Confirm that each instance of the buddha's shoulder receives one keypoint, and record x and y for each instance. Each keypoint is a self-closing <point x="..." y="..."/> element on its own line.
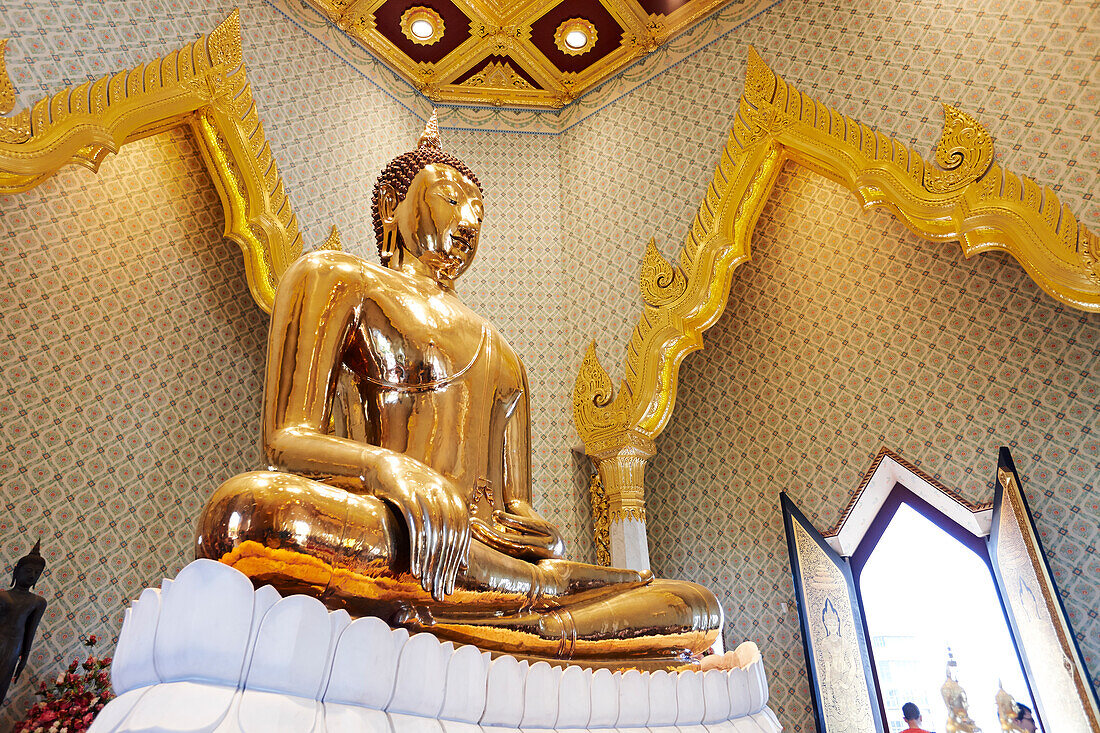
<point x="343" y="266"/>
<point x="501" y="346"/>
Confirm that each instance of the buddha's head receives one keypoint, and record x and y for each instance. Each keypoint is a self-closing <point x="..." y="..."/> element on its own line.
<point x="427" y="205"/>
<point x="28" y="569"/>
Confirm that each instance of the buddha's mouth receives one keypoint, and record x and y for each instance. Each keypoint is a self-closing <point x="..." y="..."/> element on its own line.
<point x="462" y="244"/>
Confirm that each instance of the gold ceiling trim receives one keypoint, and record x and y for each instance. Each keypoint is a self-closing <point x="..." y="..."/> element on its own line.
<point x="504" y="28"/>
<point x="965" y="196"/>
<point x="498" y="76"/>
<point x="202" y="86"/>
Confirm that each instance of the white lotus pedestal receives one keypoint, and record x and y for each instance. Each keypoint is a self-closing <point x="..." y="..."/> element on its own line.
<point x="206" y="652"/>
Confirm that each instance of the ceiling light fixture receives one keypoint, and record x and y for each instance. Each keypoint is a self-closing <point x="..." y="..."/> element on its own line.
<point x="422" y="28"/>
<point x="576" y="39"/>
<point x="575" y="36"/>
<point x="421" y="25"/>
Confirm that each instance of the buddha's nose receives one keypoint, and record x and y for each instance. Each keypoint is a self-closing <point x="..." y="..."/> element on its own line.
<point x="469" y="217"/>
<point x="467" y="232"/>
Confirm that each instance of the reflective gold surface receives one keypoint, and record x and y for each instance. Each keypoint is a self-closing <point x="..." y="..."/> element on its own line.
<point x="202" y="86"/>
<point x="1006" y="710"/>
<point x="954" y="699"/>
<point x="396" y="426"/>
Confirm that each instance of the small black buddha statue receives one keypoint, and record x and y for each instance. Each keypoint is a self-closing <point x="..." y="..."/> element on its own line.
<point x="20" y="612"/>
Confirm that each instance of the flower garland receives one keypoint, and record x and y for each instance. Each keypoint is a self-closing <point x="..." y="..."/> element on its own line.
<point x="70" y="703"/>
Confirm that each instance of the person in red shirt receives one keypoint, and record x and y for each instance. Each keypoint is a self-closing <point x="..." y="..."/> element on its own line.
<point x="911" y="714"/>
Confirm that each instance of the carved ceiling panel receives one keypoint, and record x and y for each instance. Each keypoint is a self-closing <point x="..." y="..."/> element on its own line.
<point x="526" y="53"/>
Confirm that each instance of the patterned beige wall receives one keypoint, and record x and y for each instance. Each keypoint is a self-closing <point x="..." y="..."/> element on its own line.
<point x="839" y="306"/>
<point x="132" y="365"/>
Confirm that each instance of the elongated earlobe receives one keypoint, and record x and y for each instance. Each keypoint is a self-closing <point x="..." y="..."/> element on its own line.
<point x="387" y="205"/>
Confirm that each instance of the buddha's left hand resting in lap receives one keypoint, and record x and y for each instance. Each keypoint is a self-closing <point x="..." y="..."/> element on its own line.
<point x="397" y="432"/>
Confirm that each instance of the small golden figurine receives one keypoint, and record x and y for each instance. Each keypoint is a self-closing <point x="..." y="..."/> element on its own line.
<point x="954" y="697"/>
<point x="1006" y="709"/>
<point x="396" y="426"/>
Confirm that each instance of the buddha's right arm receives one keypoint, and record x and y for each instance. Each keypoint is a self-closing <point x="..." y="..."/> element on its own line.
<point x="317" y="307"/>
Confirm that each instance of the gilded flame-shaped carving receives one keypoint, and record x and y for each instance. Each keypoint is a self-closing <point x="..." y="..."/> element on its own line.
<point x="332" y="241"/>
<point x="602" y="411"/>
<point x="202" y="86"/>
<point x="661" y="283"/>
<point x="964" y="152"/>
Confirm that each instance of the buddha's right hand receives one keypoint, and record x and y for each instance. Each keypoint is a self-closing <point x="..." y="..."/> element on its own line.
<point x="436" y="517"/>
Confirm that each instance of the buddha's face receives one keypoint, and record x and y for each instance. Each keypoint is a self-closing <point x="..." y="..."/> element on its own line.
<point x="26" y="575"/>
<point x="440" y="220"/>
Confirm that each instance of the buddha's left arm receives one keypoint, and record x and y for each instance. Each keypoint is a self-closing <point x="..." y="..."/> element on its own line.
<point x="517" y="449"/>
<point x="520" y="531"/>
<point x="28" y="637"/>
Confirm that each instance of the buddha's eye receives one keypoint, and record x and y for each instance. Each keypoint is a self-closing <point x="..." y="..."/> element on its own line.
<point x="451" y="201"/>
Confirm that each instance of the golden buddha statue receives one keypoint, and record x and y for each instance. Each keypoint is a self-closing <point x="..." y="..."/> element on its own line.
<point x="954" y="699"/>
<point x="397" y="432"/>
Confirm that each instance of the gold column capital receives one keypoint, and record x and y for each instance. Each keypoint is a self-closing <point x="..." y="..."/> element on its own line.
<point x="621" y="466"/>
<point x="629" y="443"/>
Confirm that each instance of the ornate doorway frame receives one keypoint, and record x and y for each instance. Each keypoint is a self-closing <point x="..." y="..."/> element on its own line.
<point x="827" y="566"/>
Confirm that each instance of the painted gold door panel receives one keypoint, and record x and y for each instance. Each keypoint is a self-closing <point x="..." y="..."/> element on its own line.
<point x="845" y="695"/>
<point x="1063" y="693"/>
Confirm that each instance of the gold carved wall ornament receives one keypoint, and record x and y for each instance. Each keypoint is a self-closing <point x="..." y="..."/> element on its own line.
<point x="332" y="241"/>
<point x="202" y="86"/>
<point x="601" y="520"/>
<point x="961" y="195"/>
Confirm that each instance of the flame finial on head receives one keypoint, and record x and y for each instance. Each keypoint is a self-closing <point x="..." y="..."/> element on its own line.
<point x="430" y="137"/>
<point x="33" y="558"/>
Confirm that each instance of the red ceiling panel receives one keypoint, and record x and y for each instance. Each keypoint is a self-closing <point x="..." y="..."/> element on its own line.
<point x="662" y="7"/>
<point x="609" y="34"/>
<point x="456" y="28"/>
